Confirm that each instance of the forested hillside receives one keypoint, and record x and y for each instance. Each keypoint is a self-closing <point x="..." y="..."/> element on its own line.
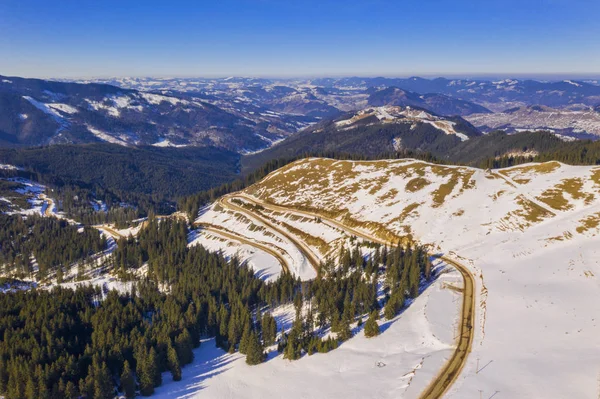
<point x="367" y="140"/>
<point x="91" y="343"/>
<point x="138" y="176"/>
<point x="51" y="244"/>
<point x="380" y="141"/>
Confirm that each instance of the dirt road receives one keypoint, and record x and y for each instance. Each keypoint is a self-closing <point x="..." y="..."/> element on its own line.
<point x="451" y="370"/>
<point x="236" y="237"/>
<point x="226" y="202"/>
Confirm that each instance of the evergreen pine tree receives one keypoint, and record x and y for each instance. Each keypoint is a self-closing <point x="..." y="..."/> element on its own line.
<point x="244" y="342"/>
<point x="3" y="370"/>
<point x="145" y="374"/>
<point x="344" y="330"/>
<point x="269" y="329"/>
<point x="154" y="368"/>
<point x="173" y="362"/>
<point x="71" y="391"/>
<point x="103" y="385"/>
<point x="292" y="347"/>
<point x="30" y="389"/>
<point x="371" y="326"/>
<point x="414" y="278"/>
<point x="391" y="307"/>
<point x="127" y="381"/>
<point x="183" y="346"/>
<point x="43" y="390"/>
<point x="256" y="352"/>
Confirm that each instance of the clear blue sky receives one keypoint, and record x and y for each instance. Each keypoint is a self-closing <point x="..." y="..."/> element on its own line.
<point x="82" y="38"/>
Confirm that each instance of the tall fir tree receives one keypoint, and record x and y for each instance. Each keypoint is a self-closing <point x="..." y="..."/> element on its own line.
<point x="244" y="342"/>
<point x="371" y="326"/>
<point x="103" y="384"/>
<point x="145" y="373"/>
<point x="173" y="363"/>
<point x="256" y="352"/>
<point x="127" y="381"/>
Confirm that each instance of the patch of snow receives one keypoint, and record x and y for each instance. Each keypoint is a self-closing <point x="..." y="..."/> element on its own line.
<point x="45" y="108"/>
<point x="156" y="99"/>
<point x="67" y="109"/>
<point x="105" y="136"/>
<point x="167" y="143"/>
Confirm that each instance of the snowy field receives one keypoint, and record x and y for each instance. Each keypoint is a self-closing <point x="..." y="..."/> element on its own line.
<point x="397" y="363"/>
<point x="529" y="234"/>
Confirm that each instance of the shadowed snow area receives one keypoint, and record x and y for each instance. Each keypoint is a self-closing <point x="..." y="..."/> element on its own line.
<point x="398" y="362"/>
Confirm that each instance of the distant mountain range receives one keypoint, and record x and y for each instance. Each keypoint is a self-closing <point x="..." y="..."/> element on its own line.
<point x="581" y="122"/>
<point x="247" y="115"/>
<point x="494" y="95"/>
<point x="352" y="92"/>
<point x="438" y="103"/>
<point x="35" y="112"/>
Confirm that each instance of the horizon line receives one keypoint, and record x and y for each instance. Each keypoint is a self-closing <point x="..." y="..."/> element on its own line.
<point x="430" y="76"/>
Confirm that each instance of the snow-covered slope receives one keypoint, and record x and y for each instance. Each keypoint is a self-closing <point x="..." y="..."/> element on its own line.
<point x="398" y="363"/>
<point x="581" y="122"/>
<point x="38" y="112"/>
<point x="398" y="114"/>
<point x="529" y="234"/>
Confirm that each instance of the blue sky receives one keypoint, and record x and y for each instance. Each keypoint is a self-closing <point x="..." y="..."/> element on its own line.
<point x="82" y="38"/>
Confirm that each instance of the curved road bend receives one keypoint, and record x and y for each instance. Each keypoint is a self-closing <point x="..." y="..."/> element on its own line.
<point x="236" y="237"/>
<point x="451" y="370"/>
<point x="307" y="252"/>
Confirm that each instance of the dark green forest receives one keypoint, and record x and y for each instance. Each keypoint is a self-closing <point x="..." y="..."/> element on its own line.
<point x="136" y="175"/>
<point x="53" y="244"/>
<point x="90" y="342"/>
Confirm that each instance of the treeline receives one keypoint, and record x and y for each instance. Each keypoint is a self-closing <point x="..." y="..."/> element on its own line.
<point x="581" y="152"/>
<point x="98" y="207"/>
<point x="192" y="203"/>
<point x="574" y="153"/>
<point x="53" y="244"/>
<point x="151" y="178"/>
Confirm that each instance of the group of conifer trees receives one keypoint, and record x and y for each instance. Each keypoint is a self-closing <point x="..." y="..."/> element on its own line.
<point x="52" y="243"/>
<point x="346" y="291"/>
<point x="91" y="343"/>
<point x="94" y="343"/>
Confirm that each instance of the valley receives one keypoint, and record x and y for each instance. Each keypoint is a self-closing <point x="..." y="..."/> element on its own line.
<point x="299" y="200"/>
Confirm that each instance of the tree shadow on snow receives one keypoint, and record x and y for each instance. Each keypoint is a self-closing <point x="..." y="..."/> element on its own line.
<point x="209" y="361"/>
<point x="262" y="274"/>
<point x="436" y="272"/>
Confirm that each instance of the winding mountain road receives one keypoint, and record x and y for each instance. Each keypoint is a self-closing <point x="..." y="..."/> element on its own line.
<point x="451" y="370"/>
<point x="239" y="238"/>
<point x="314" y="261"/>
